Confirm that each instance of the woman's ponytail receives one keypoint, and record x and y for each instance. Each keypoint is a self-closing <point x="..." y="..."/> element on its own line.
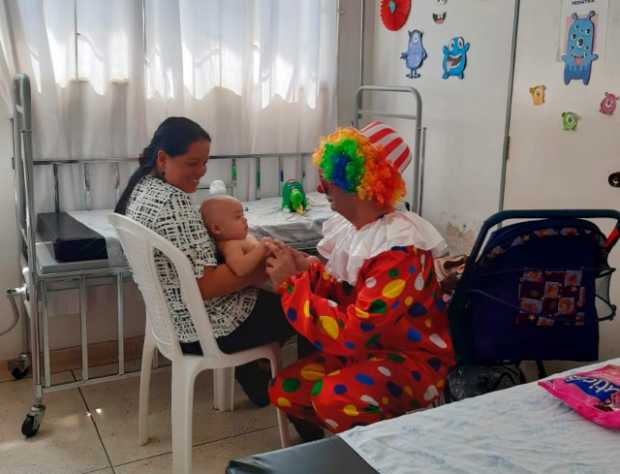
<point x="148" y="160"/>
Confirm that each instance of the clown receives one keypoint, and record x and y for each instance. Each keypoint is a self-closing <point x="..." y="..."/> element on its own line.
<point x="374" y="311"/>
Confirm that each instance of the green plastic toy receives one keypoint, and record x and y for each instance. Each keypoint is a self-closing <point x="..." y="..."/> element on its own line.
<point x="569" y="121"/>
<point x="294" y="197"/>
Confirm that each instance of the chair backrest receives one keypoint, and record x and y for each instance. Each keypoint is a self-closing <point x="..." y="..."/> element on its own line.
<point x="139" y="244"/>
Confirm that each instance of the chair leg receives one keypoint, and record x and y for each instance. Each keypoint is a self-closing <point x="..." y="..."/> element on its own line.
<point x="224" y="389"/>
<point x="181" y="412"/>
<point x="148" y="350"/>
<point x="285" y="440"/>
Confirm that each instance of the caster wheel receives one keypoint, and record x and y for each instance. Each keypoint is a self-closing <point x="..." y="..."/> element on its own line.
<point x="32" y="423"/>
<point x="19" y="374"/>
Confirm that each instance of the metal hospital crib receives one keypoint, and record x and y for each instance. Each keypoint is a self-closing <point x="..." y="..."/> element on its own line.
<point x="42" y="274"/>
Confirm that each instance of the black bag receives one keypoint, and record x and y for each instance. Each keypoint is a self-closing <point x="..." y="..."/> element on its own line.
<point x="473" y="380"/>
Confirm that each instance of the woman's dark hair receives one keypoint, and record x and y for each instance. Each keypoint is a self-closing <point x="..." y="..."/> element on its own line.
<point x="174" y="136"/>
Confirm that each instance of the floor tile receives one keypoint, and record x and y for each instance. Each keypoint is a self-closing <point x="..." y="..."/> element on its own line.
<point x="212" y="457"/>
<point x="114" y="407"/>
<point x="67" y="441"/>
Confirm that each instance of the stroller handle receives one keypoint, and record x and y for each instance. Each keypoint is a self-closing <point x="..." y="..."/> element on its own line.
<point x="544" y="214"/>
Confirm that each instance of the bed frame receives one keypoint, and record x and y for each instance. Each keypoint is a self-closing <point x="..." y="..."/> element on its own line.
<point x="37" y="285"/>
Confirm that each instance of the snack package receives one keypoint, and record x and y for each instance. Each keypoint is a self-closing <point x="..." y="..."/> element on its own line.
<point x="594" y="394"/>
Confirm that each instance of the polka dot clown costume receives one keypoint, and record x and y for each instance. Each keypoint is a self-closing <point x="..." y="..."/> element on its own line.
<point x="374" y="311"/>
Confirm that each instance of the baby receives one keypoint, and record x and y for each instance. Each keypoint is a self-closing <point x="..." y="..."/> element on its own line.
<point x="224" y="219"/>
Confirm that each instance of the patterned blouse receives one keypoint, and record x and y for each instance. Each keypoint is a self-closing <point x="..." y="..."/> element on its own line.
<point x="168" y="211"/>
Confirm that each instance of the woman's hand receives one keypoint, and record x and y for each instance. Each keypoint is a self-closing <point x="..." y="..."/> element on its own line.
<point x="259" y="276"/>
<point x="281" y="265"/>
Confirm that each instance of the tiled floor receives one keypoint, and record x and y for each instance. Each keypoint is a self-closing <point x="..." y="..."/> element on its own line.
<point x="95" y="429"/>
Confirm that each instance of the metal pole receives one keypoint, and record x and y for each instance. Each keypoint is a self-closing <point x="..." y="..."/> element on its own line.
<point x="257" y="164"/>
<point x="23" y="109"/>
<point x="83" y="328"/>
<point x="362" y="34"/>
<point x="86" y="185"/>
<point x="75" y="38"/>
<point x="121" y="323"/>
<point x="422" y="171"/>
<point x="47" y="370"/>
<point x="280" y="175"/>
<point x="56" y="188"/>
<point x="506" y="148"/>
<point x="418" y="128"/>
<point x="117" y="181"/>
<point x="339" y="12"/>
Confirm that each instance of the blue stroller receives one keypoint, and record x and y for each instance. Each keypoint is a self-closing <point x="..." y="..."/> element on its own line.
<point x="536" y="291"/>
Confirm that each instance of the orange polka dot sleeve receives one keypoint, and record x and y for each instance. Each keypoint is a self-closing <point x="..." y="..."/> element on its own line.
<point x="344" y="329"/>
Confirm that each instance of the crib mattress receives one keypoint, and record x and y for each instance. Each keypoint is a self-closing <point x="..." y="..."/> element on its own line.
<point x="265" y="219"/>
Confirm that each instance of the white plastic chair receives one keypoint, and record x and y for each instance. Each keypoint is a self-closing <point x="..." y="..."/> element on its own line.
<point x="139" y="243"/>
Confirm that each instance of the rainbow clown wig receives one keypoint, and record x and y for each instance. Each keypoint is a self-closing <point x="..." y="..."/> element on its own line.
<point x="350" y="160"/>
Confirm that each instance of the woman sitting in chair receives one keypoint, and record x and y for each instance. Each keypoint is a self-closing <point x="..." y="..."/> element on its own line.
<point x="158" y="196"/>
<point x="375" y="310"/>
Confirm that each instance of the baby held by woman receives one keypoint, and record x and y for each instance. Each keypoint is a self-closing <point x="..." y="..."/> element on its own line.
<point x="223" y="216"/>
<point x="243" y="253"/>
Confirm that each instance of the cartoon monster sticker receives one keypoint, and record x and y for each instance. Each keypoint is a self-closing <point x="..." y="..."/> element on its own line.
<point x="455" y="58"/>
<point x="415" y="54"/>
<point x="440" y="17"/>
<point x="579" y="49"/>
<point x="538" y="94"/>
<point x="569" y="121"/>
<point x="608" y="104"/>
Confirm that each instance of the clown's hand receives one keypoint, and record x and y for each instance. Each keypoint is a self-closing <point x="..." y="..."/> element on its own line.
<point x="303" y="260"/>
<point x="280" y="266"/>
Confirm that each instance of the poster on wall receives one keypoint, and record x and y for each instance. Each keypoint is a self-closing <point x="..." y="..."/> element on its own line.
<point x="582" y="9"/>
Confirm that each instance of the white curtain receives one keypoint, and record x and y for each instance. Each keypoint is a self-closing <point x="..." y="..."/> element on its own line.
<point x="7" y="61"/>
<point x="259" y="75"/>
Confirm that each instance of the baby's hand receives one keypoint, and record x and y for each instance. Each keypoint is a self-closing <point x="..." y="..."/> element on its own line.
<point x="273" y="245"/>
<point x="264" y="245"/>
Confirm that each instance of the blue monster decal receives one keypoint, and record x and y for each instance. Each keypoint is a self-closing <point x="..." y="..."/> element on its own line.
<point x="415" y="54"/>
<point x="579" y="56"/>
<point x="455" y="58"/>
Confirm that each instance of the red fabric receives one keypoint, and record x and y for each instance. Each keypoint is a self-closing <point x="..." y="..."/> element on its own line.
<point x="387" y="336"/>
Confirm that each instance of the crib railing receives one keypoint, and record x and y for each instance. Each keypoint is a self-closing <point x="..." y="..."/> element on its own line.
<point x="86" y="177"/>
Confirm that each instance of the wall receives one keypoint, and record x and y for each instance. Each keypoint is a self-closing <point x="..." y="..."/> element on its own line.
<point x="552" y="168"/>
<point x="548" y="168"/>
<point x="11" y="343"/>
<point x="465" y="118"/>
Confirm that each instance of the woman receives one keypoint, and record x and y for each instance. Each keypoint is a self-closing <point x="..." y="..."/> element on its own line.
<point x="158" y="196"/>
<point x="374" y="311"/>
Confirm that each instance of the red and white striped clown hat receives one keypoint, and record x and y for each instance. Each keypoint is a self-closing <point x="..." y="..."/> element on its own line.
<point x="396" y="148"/>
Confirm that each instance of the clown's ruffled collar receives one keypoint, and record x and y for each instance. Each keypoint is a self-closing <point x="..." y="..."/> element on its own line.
<point x="347" y="248"/>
